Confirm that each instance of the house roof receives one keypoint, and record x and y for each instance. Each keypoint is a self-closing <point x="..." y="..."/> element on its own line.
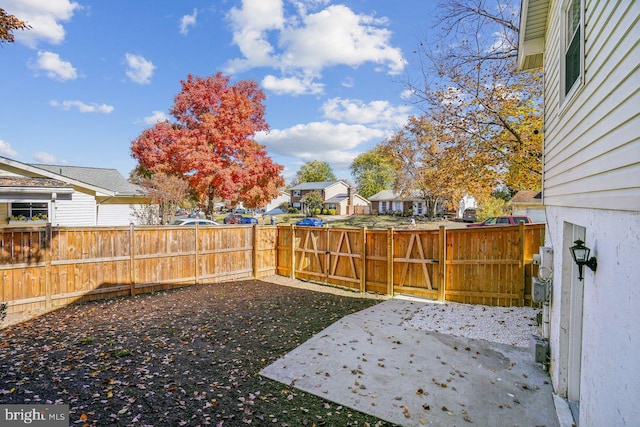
<point x="388" y="195"/>
<point x="527" y="197"/>
<point x="319" y="185"/>
<point x="20" y="181"/>
<point x="109" y="179"/>
<point x="30" y="185"/>
<point x="338" y="198"/>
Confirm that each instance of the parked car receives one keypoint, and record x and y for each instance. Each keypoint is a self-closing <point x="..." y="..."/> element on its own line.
<point x="502" y="220"/>
<point x="310" y="222"/>
<point x="469" y="215"/>
<point x="194" y="221"/>
<point x="232" y="218"/>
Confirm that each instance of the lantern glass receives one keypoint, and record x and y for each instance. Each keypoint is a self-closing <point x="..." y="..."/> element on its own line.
<point x="580" y="252"/>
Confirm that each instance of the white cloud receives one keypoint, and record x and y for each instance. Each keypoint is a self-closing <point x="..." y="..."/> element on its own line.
<point x="188" y="21"/>
<point x="44" y="16"/>
<point x="155" y="117"/>
<point x="6" y="150"/>
<point x="251" y="24"/>
<point x="43" y="157"/>
<point x="292" y="85"/>
<point x="407" y="94"/>
<point x="54" y="67"/>
<point x="380" y="114"/>
<point x="307" y="43"/>
<point x="140" y="70"/>
<point x="82" y="107"/>
<point x="337" y="36"/>
<point x="336" y="144"/>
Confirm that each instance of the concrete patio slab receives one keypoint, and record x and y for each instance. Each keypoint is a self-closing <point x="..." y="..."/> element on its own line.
<point x="370" y="362"/>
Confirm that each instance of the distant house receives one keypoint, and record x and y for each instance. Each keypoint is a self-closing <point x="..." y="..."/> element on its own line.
<point x="390" y="202"/>
<point x="590" y="51"/>
<point x="273" y="207"/>
<point x="66" y="195"/>
<point x="528" y="203"/>
<point x="336" y="195"/>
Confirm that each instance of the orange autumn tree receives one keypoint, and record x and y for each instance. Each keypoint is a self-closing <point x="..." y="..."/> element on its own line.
<point x="211" y="143"/>
<point x="426" y="160"/>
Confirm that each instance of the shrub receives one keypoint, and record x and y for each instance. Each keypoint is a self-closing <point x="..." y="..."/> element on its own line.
<point x="325" y="211"/>
<point x="317" y="211"/>
<point x="293" y="210"/>
<point x="332" y="211"/>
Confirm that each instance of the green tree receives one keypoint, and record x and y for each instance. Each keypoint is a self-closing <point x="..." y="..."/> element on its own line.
<point x="373" y="172"/>
<point x="314" y="171"/>
<point x="311" y="202"/>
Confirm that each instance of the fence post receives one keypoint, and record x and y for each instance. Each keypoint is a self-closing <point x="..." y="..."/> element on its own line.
<point x="521" y="263"/>
<point x="327" y="253"/>
<point x="292" y="231"/>
<point x="197" y="255"/>
<point x="255" y="251"/>
<point x="48" y="253"/>
<point x="442" y="262"/>
<point x="132" y="260"/>
<point x="363" y="261"/>
<point x="390" y="256"/>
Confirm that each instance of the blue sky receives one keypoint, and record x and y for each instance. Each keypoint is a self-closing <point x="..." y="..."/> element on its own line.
<point x="92" y="75"/>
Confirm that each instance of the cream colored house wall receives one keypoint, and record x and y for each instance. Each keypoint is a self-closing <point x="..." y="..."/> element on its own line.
<point x="591" y="190"/>
<point x="592" y="143"/>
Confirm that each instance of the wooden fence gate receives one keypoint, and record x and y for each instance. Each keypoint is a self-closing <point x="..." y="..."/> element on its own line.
<point x="489" y="265"/>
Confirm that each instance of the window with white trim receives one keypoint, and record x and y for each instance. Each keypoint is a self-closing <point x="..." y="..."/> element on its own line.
<point x="26" y="211"/>
<point x="573" y="45"/>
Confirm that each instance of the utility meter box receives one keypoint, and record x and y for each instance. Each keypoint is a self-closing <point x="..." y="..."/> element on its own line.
<point x="538" y="290"/>
<point x="540" y="348"/>
<point x="546" y="257"/>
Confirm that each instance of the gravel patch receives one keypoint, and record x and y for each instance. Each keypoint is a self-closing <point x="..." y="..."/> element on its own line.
<point x="506" y="325"/>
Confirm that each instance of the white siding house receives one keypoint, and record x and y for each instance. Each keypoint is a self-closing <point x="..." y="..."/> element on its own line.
<point x="66" y="195"/>
<point x="591" y="191"/>
<point x="336" y="195"/>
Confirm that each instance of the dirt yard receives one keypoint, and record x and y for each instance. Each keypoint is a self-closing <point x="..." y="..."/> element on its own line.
<point x="185" y="357"/>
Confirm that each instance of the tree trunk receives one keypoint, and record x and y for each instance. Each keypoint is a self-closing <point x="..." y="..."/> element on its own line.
<point x="208" y="213"/>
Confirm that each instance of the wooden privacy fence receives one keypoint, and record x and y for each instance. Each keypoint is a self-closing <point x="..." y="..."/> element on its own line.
<point x="486" y="265"/>
<point x="47" y="267"/>
<point x="44" y="267"/>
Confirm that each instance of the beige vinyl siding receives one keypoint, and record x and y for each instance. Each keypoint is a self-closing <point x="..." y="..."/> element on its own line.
<point x="593" y="159"/>
<point x="335" y="189"/>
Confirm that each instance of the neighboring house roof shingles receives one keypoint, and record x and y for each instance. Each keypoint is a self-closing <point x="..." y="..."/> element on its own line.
<point x="32" y="182"/>
<point x="388" y="195"/>
<point x="314" y="185"/>
<point x="110" y="179"/>
<point x="527" y="197"/>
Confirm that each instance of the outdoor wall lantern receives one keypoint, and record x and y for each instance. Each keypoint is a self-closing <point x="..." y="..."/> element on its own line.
<point x="580" y="254"/>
